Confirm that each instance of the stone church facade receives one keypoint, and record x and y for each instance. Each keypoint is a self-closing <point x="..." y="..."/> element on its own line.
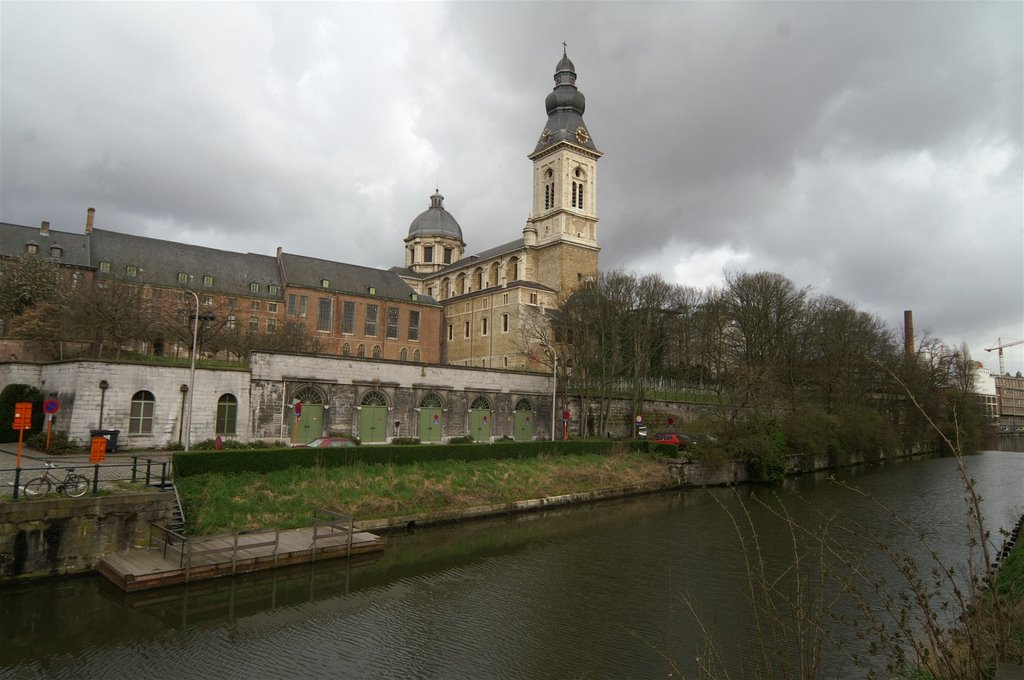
<point x="495" y="301"/>
<point x="483" y="310"/>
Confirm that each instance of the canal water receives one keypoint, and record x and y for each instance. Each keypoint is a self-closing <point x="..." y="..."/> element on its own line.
<point x="599" y="591"/>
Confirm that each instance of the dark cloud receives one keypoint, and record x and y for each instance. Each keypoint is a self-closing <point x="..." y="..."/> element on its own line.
<point x="870" y="150"/>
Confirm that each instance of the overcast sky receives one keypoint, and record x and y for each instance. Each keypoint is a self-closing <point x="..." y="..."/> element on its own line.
<point x="868" y="150"/>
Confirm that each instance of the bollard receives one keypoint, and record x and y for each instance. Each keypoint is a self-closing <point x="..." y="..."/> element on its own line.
<point x="95" y="479"/>
<point x="17" y="482"/>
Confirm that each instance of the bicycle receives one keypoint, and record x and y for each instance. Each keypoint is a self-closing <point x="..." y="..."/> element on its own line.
<point x="71" y="486"/>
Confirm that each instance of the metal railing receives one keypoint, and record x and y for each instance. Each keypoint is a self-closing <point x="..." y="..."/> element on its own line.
<point x="147" y="472"/>
<point x="188" y="548"/>
<point x="329" y="524"/>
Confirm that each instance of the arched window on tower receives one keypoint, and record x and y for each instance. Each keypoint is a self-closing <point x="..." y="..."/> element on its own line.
<point x="577" y="188"/>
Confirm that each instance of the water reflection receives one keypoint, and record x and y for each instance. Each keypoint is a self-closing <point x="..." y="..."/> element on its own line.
<point x="590" y="592"/>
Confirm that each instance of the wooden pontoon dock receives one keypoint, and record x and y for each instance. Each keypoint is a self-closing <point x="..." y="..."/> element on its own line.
<point x="178" y="559"/>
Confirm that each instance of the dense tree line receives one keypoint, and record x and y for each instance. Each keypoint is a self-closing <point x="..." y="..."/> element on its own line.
<point x="762" y="350"/>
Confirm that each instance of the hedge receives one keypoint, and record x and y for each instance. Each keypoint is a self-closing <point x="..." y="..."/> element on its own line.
<point x="268" y="460"/>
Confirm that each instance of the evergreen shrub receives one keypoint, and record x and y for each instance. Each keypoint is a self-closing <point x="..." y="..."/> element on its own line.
<point x="760" y="441"/>
<point x="811" y="432"/>
<point x="861" y="430"/>
<point x="11" y="395"/>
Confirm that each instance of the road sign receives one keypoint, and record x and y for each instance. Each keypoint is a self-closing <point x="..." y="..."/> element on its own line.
<point x="566" y="416"/>
<point x="22" y="415"/>
<point x="298" y="408"/>
<point x="639" y="419"/>
<point x="670" y="421"/>
<point x="51" y="406"/>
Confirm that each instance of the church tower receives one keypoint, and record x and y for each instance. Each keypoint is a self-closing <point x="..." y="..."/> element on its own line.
<point x="563" y="220"/>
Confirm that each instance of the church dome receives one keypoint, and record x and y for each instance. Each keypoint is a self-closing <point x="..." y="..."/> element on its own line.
<point x="435" y="221"/>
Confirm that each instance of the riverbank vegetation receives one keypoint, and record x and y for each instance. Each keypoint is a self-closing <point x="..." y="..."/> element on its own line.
<point x="216" y="502"/>
<point x="930" y="619"/>
<point x="762" y="353"/>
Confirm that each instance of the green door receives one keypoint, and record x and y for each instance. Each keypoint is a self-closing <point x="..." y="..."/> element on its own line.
<point x="373" y="424"/>
<point x="480" y="424"/>
<point x="431" y="422"/>
<point x="523" y="424"/>
<point x="311" y="423"/>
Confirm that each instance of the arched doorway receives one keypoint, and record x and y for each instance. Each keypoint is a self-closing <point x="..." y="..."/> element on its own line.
<point x="480" y="419"/>
<point x="373" y="418"/>
<point x="431" y="424"/>
<point x="306" y="422"/>
<point x="523" y="419"/>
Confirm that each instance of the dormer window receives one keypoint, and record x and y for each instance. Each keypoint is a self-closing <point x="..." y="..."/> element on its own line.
<point x="325" y="283"/>
<point x="131" y="271"/>
<point x="372" y="290"/>
<point x="56" y="252"/>
<point x="31" y="248"/>
<point x="208" y="281"/>
<point x="182" y="277"/>
<point x="272" y="289"/>
<point x="254" y="287"/>
<point x="104" y="266"/>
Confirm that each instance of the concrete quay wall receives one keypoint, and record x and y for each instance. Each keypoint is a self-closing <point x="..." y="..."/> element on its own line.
<point x="57" y="536"/>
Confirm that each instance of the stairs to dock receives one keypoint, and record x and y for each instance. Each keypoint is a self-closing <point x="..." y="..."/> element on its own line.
<point x="177" y="522"/>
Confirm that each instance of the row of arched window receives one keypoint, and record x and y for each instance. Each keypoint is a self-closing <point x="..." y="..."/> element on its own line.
<point x="478" y="279"/>
<point x="140" y="418"/>
<point x="432" y="400"/>
<point x="376" y="351"/>
<point x="577" y="189"/>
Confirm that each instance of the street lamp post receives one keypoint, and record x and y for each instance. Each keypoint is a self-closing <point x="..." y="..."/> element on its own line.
<point x="554" y="392"/>
<point x="192" y="370"/>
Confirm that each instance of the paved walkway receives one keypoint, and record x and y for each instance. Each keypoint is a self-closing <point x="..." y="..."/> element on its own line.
<point x="116" y="467"/>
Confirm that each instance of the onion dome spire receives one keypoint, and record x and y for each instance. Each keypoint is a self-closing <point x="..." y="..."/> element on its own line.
<point x="565" y="105"/>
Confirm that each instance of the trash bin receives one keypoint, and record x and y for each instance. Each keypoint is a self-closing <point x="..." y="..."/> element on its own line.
<point x="109" y="435"/>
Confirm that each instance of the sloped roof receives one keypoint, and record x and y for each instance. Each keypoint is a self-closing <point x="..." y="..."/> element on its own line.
<point x="74" y="247"/>
<point x="308" y="272"/>
<point x="160" y="262"/>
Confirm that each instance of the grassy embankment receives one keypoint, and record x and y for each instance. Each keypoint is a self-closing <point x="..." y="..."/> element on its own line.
<point x="216" y="503"/>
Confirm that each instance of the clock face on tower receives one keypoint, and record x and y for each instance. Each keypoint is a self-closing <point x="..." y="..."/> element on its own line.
<point x="581" y="135"/>
<point x="545" y="136"/>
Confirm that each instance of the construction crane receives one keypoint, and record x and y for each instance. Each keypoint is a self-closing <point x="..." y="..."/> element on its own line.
<point x="1000" y="345"/>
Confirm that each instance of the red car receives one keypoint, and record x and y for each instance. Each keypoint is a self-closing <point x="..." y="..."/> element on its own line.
<point x="329" y="443"/>
<point x="673" y="439"/>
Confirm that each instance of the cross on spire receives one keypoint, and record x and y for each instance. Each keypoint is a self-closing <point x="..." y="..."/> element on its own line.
<point x="564" y="48"/>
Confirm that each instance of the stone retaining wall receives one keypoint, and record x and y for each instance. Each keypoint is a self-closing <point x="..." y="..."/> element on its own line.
<point x="56" y="535"/>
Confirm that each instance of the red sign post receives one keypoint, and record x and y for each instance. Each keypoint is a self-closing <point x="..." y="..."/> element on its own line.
<point x="22" y="422"/>
<point x="50" y="407"/>
<point x="298" y="417"/>
<point x="98" y="450"/>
